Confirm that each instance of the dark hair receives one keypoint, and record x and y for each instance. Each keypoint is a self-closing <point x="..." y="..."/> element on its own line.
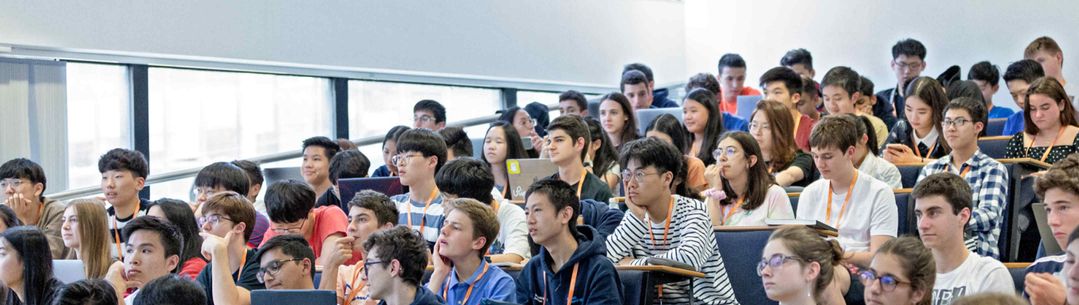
<point x="33" y="249"/>
<point x="758" y="179"/>
<point x="404" y="245"/>
<point x="467" y="178"/>
<point x="292" y="245"/>
<point x="866" y="87"/>
<point x="810" y="87"/>
<point x="652" y="152"/>
<point x="394" y="133"/>
<point x="639" y="67"/>
<point x="289" y="201"/>
<point x="350" y="164"/>
<point x="833" y="132"/>
<point x="917" y="261"/>
<point x="120" y="159"/>
<point x="574" y="126"/>
<point x="235" y="207"/>
<point x="171" y="239"/>
<point x="929" y="90"/>
<point x="984" y="71"/>
<point x="730" y="60"/>
<point x="171" y="290"/>
<point x="605" y="157"/>
<point x="330" y="146"/>
<point x="22" y="168"/>
<point x="457" y="141"/>
<point x="948" y="185"/>
<point x="1073" y="236"/>
<point x="669" y="125"/>
<point x="964" y="88"/>
<point x="87" y="292"/>
<point x="788" y="77"/>
<point x="797" y="56"/>
<point x="424" y="141"/>
<point x="515" y="149"/>
<point x="712" y="128"/>
<point x="975" y="108"/>
<point x="180" y="215"/>
<point x="8" y="216"/>
<point x="1064" y="174"/>
<point x="252" y="169"/>
<point x="225" y="175"/>
<point x="703" y="80"/>
<point x="843" y="77"/>
<point x="506" y="115"/>
<point x="1044" y="43"/>
<point x="540" y="113"/>
<point x="632" y="77"/>
<point x="434" y="107"/>
<point x="576" y="97"/>
<point x="783" y="146"/>
<point x="629" y="130"/>
<point x="908" y="47"/>
<point x="1051" y="88"/>
<point x="383" y="207"/>
<point x="1026" y="70"/>
<point x="865" y="126"/>
<point x="561" y="195"/>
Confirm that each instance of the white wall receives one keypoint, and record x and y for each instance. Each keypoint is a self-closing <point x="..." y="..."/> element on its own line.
<point x="558" y="40"/>
<point x="860" y="34"/>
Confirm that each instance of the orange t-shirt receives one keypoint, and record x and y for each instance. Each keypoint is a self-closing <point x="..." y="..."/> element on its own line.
<point x="731" y="105"/>
<point x="328" y="220"/>
<point x="345" y="277"/>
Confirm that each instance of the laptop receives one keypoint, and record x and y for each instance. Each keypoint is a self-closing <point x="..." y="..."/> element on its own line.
<point x="1042" y="219"/>
<point x="68" y="270"/>
<point x="308" y="297"/>
<point x="523" y="172"/>
<point x="387" y="185"/>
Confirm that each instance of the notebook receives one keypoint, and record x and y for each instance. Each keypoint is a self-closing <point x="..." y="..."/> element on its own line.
<point x="523" y="172"/>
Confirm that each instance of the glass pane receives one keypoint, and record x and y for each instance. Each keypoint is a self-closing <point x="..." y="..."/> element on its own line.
<point x="526" y="97"/>
<point x="99" y="118"/>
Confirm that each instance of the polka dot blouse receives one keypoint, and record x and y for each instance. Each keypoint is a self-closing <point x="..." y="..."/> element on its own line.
<point x="1016" y="149"/>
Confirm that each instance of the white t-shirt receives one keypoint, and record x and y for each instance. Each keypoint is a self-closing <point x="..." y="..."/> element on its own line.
<point x="512" y="230"/>
<point x="977" y="274"/>
<point x="870" y="212"/>
<point x="776" y="205"/>
<point x="882" y="170"/>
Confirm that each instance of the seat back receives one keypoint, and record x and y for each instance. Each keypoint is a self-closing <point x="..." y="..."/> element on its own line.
<point x="994" y="147"/>
<point x="995" y="127"/>
<point x="741" y="251"/>
<point x="906" y="212"/>
<point x="646" y="116"/>
<point x="909" y="174"/>
<point x="1019" y="275"/>
<point x="746" y="105"/>
<point x="477" y="147"/>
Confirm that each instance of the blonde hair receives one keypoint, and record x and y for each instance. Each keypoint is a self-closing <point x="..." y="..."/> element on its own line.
<point x="93" y="236"/>
<point x="808" y="246"/>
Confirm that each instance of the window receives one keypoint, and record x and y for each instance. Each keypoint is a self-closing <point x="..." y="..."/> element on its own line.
<point x="200" y="117"/>
<point x="99" y="118"/>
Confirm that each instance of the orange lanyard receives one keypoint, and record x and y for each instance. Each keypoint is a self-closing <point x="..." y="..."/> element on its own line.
<point x="666" y="228"/>
<point x="928" y="154"/>
<point x="116" y="228"/>
<point x="243" y="261"/>
<point x="468" y="293"/>
<point x="355" y="289"/>
<point x="963" y="173"/>
<point x="423" y="218"/>
<point x="842" y="209"/>
<point x="580" y="184"/>
<point x="572" y="286"/>
<point x="1050" y="147"/>
<point x="730" y="213"/>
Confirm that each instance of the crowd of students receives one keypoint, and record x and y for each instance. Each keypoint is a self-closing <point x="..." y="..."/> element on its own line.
<point x="618" y="197"/>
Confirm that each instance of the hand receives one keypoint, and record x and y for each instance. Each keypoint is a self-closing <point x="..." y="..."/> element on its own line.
<point x="213" y="244"/>
<point x="713" y="176"/>
<point x="899" y="153"/>
<point x="633" y="208"/>
<point x="24" y="208"/>
<point x="342" y="252"/>
<point x="115" y="276"/>
<point x="442" y="265"/>
<point x="1044" y="289"/>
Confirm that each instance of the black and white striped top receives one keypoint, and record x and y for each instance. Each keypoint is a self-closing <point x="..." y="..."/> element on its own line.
<point x="689" y="240"/>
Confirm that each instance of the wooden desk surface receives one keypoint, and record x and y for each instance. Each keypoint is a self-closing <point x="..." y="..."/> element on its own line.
<point x="665" y="269"/>
<point x="1021" y="161"/>
<point x="767" y="228"/>
<point x="1016" y="265"/>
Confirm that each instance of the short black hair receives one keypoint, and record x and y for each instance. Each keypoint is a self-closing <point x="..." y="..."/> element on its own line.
<point x="9" y="218"/>
<point x="640" y="67"/>
<point x="170" y="290"/>
<point x="124" y="160"/>
<point x="908" y="47"/>
<point x="330" y="145"/>
<point x="292" y="245"/>
<point x="703" y="80"/>
<point x="810" y="87"/>
<point x="32" y="248"/>
<point x="790" y="79"/>
<point x="404" y="245"/>
<point x="384" y="207"/>
<point x="88" y="292"/>
<point x="632" y="77"/>
<point x="424" y="141"/>
<point x="652" y="152"/>
<point x="225" y="175"/>
<point x="457" y="140"/>
<point x="731" y="60"/>
<point x="843" y="77"/>
<point x="797" y="56"/>
<point x="179" y="213"/>
<point x="349" y="164"/>
<point x="964" y="88"/>
<point x="560" y="194"/>
<point x="986" y="72"/>
<point x="866" y="87"/>
<point x="1026" y="70"/>
<point x="289" y="201"/>
<point x="394" y="133"/>
<point x="575" y="127"/>
<point x="253" y="170"/>
<point x="466" y="178"/>
<point x="171" y="239"/>
<point x="975" y="108"/>
<point x="576" y="97"/>
<point x="22" y="168"/>
<point x="953" y="188"/>
<point x="434" y="107"/>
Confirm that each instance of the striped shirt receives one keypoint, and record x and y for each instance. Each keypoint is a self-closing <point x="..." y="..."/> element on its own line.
<point x="689" y="240"/>
<point x="988" y="184"/>
<point x="431" y="221"/>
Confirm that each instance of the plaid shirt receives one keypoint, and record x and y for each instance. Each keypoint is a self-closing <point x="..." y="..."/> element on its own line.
<point x="988" y="184"/>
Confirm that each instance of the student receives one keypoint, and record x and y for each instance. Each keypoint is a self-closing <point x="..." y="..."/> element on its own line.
<point x="917" y="136"/>
<point x="841" y="87"/>
<point x="501" y="143"/>
<point x="369" y="212"/>
<point x="394" y="266"/>
<point x="663" y="225"/>
<point x="23" y="184"/>
<point x="421" y="154"/>
<point x="461" y="274"/>
<point x="317" y="152"/>
<point x="942" y="205"/>
<point x="908" y="62"/>
<point x="457" y="142"/>
<point x="1018" y="78"/>
<point x="751" y="195"/>
<point x="773" y="130"/>
<point x="709" y="82"/>
<point x="988" y="179"/>
<point x="170" y="290"/>
<point x="152" y="250"/>
<point x="292" y="211"/>
<point x="526" y="128"/>
<point x="784" y="85"/>
<point x="226" y="223"/>
<point x="659" y="96"/>
<point x="618" y="119"/>
<point x="667" y="128"/>
<point x="90" y="291"/>
<point x="567" y="137"/>
<point x="1051" y="131"/>
<point x="389" y="149"/>
<point x="28" y="274"/>
<point x="570" y="254"/>
<point x="1047" y="52"/>
<point x="225" y="177"/>
<point x="573" y="102"/>
<point x="862" y="208"/>
<point x="283" y="262"/>
<point x="601" y="159"/>
<point x="1058" y="188"/>
<point x="732" y="78"/>
<point x="811" y="103"/>
<point x="123" y="175"/>
<point x="469" y="178"/>
<point x="85" y="231"/>
<point x="541" y="114"/>
<point x="987" y="76"/>
<point x="797" y="266"/>
<point x="863" y="108"/>
<point x="902" y="273"/>
<point x="635" y="87"/>
<point x="344" y="165"/>
<point x="429" y="114"/>
<point x="799" y="60"/>
<point x="179" y="214"/>
<point x="703" y="124"/>
<point x="866" y="158"/>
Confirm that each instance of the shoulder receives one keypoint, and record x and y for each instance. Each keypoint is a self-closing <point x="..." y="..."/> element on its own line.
<point x="400" y="198"/>
<point x="987" y="264"/>
<point x="1048" y="264"/>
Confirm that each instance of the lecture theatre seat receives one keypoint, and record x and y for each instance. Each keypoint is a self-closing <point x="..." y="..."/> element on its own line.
<point x="909" y="174"/>
<point x="746" y="105"/>
<point x="905" y="207"/>
<point x="646" y="116"/>
<point x="477" y="147"/>
<point x="993" y="146"/>
<point x="741" y="251"/>
<point x="1018" y="272"/>
<point x="995" y="127"/>
<point x="794" y="200"/>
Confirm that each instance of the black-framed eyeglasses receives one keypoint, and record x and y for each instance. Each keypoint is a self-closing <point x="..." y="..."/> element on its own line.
<point x="423" y="118"/>
<point x="274" y="267"/>
<point x="775" y="261"/>
<point x="367" y="265"/>
<point x="887" y="282"/>
<point x="960" y="122"/>
<point x="212" y="219"/>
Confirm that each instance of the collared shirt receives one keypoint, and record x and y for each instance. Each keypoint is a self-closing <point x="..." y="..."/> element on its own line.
<point x="495" y="284"/>
<point x="928" y="140"/>
<point x="988" y="184"/>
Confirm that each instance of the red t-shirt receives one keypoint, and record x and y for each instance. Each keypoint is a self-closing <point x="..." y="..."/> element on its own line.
<point x="191" y="268"/>
<point x="731" y="105"/>
<point x="801" y="134"/>
<point x="328" y="220"/>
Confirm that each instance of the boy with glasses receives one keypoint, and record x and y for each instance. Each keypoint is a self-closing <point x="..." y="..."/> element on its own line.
<point x="394" y="266"/>
<point x="227" y="224"/>
<point x="222" y="177"/>
<point x="22" y="187"/>
<point x="908" y="62"/>
<point x="429" y="114"/>
<point x="291" y="205"/>
<point x="421" y="154"/>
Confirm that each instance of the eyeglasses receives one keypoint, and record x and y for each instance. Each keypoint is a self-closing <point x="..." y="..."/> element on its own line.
<point x="777" y="260"/>
<point x="367" y="266"/>
<point x="10" y="182"/>
<point x="273" y="268"/>
<point x="289" y="230"/>
<point x="761" y="126"/>
<point x="728" y="151"/>
<point x="960" y="122"/>
<point x="423" y="118"/>
<point x="402" y="159"/>
<point x="887" y="282"/>
<point x="908" y="65"/>
<point x="530" y="120"/>
<point x="637" y="176"/>
<point x="213" y="219"/>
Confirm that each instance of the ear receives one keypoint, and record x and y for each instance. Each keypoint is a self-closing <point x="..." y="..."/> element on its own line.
<point x="752" y="161"/>
<point x="38" y="189"/>
<point x="432" y="162"/>
<point x="916" y="296"/>
<point x="478" y="243"/>
<point x="386" y="226"/>
<point x="239" y="228"/>
<point x="850" y="152"/>
<point x="796" y="97"/>
<point x="441" y="125"/>
<point x="864" y="139"/>
<point x="579" y="144"/>
<point x="172" y="262"/>
<point x="978" y="127"/>
<point x="854" y="97"/>
<point x="813" y="271"/>
<point x="964" y="214"/>
<point x="668" y="178"/>
<point x="140" y="182"/>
